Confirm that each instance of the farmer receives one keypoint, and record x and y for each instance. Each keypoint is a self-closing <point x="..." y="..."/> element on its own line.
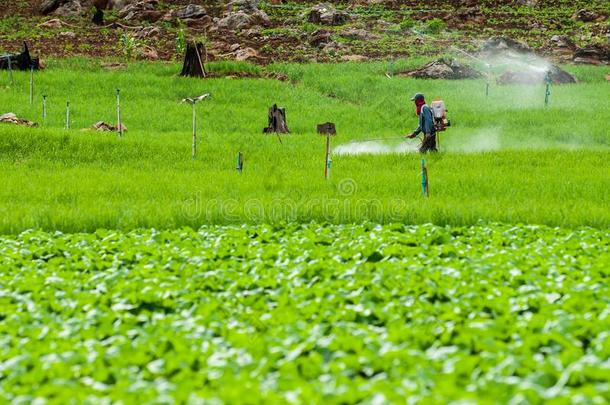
<point x="426" y="124"/>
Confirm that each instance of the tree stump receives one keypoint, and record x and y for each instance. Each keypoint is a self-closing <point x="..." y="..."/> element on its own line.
<point x="193" y="62"/>
<point x="277" y="121"/>
<point x="19" y="61"/>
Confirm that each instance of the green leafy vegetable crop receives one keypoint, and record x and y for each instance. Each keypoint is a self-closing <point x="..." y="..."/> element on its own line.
<point x="307" y="313"/>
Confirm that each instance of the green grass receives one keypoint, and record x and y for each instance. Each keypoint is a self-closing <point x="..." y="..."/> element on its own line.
<point x="507" y="158"/>
<point x="306" y="314"/>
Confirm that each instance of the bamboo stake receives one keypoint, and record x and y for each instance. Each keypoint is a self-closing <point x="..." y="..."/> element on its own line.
<point x="44" y="109"/>
<point x="328" y="161"/>
<point x="68" y="115"/>
<point x="118" y="113"/>
<point x="31" y="85"/>
<point x="194" y="131"/>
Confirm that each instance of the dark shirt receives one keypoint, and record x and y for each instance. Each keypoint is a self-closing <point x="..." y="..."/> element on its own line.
<point x="426" y="121"/>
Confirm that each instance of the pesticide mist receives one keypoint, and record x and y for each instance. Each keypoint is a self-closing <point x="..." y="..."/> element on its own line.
<point x="375" y="148"/>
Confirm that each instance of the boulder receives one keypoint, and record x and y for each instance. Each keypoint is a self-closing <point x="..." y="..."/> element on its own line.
<point x="356" y="34"/>
<point x="536" y="76"/>
<point x="241" y="20"/>
<point x="245" y="54"/>
<point x="71" y="8"/>
<point x="320" y="38"/>
<point x="497" y="45"/>
<point x="593" y="54"/>
<point x="247" y="6"/>
<point x="448" y="69"/>
<point x="326" y="14"/>
<point x="48" y="6"/>
<point x="191" y="11"/>
<point x="135" y="11"/>
<point x="585" y="15"/>
<point x="105" y="127"/>
<point x="11" y="118"/>
<point x="147" y="32"/>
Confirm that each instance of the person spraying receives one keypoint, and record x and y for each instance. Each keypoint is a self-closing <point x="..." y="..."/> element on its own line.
<point x="426" y="124"/>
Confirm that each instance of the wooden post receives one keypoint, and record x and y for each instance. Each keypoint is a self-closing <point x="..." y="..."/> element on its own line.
<point x="31" y="85"/>
<point x="329" y="130"/>
<point x="240" y="162"/>
<point x="424" y="179"/>
<point x="194" y="131"/>
<point x="68" y="115"/>
<point x="328" y="161"/>
<point x="44" y="109"/>
<point x="10" y="72"/>
<point x="118" y="113"/>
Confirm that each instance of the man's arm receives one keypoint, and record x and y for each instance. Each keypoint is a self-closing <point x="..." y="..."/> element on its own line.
<point x="418" y="130"/>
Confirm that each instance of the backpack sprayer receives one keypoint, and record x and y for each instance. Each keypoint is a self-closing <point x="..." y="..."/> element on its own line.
<point x="441" y="122"/>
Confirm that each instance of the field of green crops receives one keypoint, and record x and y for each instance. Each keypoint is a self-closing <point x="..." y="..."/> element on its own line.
<point x="506" y="158"/>
<point x="307" y="314"/>
<point x="131" y="273"/>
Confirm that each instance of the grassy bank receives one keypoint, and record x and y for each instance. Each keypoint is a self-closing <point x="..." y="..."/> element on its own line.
<point x="507" y="158"/>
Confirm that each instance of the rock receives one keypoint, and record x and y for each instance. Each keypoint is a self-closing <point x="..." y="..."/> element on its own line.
<point x="497" y="45"/>
<point x="593" y="54"/>
<point x="48" y="6"/>
<point x="105" y="127"/>
<point x="356" y="34"/>
<point x="71" y="8"/>
<point x="234" y="47"/>
<point x="326" y="14"/>
<point x="191" y="11"/>
<point x="536" y="76"/>
<point x="118" y="4"/>
<point x="320" y="38"/>
<point x="562" y="41"/>
<point x="147" y="53"/>
<point x="147" y="32"/>
<point x="241" y="20"/>
<point x="354" y="58"/>
<point x="448" y="69"/>
<point x="245" y="54"/>
<point x="247" y="6"/>
<point x="585" y="15"/>
<point x="332" y="47"/>
<point x="135" y="10"/>
<point x="11" y="118"/>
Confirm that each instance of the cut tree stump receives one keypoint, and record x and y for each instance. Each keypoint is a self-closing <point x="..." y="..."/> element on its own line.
<point x="19" y="61"/>
<point x="277" y="121"/>
<point x="193" y="60"/>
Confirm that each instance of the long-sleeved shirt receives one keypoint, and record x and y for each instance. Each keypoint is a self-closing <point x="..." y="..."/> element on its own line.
<point x="426" y="121"/>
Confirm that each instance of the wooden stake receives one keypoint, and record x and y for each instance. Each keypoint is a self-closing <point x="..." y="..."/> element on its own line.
<point x="328" y="162"/>
<point x="44" y="109"/>
<point x="68" y="115"/>
<point x="240" y="162"/>
<point x="32" y="85"/>
<point x="424" y="179"/>
<point x="118" y="113"/>
<point x="10" y="72"/>
<point x="194" y="131"/>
